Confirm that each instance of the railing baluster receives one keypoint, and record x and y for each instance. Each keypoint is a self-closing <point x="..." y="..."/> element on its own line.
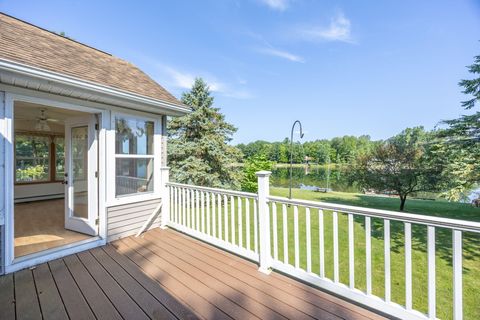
<point x="255" y="225"/>
<point x="247" y="222"/>
<point x="408" y="265"/>
<point x="182" y="200"/>
<point x="274" y="227"/>
<point x="197" y="211"/>
<point x="208" y="212"/>
<point x="192" y="209"/>
<point x="214" y="220"/>
<point x="202" y="206"/>
<point x="232" y="219"/>
<point x="321" y="243"/>
<point x="225" y="216"/>
<point x="285" y="233"/>
<point x="240" y="222"/>
<point x="431" y="272"/>
<point x="368" y="253"/>
<point x="173" y="202"/>
<point x="171" y="214"/>
<point x="188" y="207"/>
<point x="219" y="209"/>
<point x="386" y="247"/>
<point x="309" y="239"/>
<point x="457" y="275"/>
<point x="351" y="252"/>
<point x="335" y="247"/>
<point x="176" y="201"/>
<point x="295" y="235"/>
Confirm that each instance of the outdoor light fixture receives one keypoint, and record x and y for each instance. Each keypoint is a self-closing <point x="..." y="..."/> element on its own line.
<point x="291" y="153"/>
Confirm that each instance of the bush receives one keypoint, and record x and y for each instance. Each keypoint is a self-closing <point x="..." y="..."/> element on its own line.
<point x="252" y="165"/>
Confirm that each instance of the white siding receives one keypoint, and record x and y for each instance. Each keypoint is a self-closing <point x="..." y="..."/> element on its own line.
<point x="126" y="220"/>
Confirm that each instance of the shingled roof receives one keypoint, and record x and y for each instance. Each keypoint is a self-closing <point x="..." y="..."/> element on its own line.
<point x="30" y="45"/>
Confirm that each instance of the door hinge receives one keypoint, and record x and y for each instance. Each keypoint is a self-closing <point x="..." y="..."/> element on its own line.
<point x="96" y="126"/>
<point x="96" y="222"/>
<point x="96" y="174"/>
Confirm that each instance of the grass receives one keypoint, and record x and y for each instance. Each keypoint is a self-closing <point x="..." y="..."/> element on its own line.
<point x="443" y="237"/>
<point x="444" y="280"/>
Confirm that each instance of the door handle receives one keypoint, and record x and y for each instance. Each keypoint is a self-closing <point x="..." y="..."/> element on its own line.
<point x="65" y="182"/>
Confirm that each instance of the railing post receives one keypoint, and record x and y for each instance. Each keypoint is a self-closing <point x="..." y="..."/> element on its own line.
<point x="264" y="221"/>
<point x="164" y="192"/>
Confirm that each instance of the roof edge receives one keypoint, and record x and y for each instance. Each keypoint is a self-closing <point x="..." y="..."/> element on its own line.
<point x="24" y="69"/>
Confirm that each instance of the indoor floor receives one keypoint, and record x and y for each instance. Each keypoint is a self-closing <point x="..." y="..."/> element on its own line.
<point x="40" y="225"/>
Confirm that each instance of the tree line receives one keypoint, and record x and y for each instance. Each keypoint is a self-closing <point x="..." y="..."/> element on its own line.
<point x="339" y="150"/>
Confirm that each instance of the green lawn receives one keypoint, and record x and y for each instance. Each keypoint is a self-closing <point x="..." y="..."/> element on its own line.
<point x="471" y="249"/>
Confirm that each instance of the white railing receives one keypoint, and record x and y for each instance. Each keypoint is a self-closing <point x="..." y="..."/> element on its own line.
<point x="293" y="235"/>
<point x="225" y="218"/>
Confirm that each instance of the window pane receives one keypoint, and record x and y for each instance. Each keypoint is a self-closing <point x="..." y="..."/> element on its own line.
<point x="133" y="136"/>
<point x="59" y="158"/>
<point x="31" y="158"/>
<point x="133" y="176"/>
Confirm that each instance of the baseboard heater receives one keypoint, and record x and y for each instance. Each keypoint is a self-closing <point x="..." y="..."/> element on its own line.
<point x="38" y="198"/>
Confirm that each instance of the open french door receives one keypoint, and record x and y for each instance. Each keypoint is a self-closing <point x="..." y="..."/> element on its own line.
<point x="81" y="165"/>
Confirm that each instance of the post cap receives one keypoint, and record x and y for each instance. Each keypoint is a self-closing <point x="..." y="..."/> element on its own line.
<point x="262" y="174"/>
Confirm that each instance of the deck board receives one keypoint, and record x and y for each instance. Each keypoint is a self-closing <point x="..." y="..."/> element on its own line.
<point x="282" y="287"/>
<point x="163" y="275"/>
<point x="73" y="299"/>
<point x="26" y="299"/>
<point x="124" y="304"/>
<point x="50" y="301"/>
<point x="93" y="293"/>
<point x="7" y="297"/>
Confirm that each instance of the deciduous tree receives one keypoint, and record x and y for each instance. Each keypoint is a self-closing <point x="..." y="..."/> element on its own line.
<point x="401" y="165"/>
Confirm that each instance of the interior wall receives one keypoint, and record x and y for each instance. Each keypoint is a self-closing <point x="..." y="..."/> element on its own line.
<point x="38" y="191"/>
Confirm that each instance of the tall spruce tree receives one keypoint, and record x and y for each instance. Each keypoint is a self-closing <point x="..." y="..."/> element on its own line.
<point x="198" y="148"/>
<point x="460" y="141"/>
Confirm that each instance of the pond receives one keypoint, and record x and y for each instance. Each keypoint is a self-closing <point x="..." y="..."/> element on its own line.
<point x="318" y="176"/>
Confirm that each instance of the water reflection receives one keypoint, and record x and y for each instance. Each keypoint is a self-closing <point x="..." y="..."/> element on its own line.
<point x="314" y="176"/>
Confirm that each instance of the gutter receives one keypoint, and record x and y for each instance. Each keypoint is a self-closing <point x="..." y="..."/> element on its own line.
<point x="58" y="78"/>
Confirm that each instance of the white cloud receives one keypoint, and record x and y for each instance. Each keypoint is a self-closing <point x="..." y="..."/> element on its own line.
<point x="282" y="54"/>
<point x="338" y="30"/>
<point x="280" y="5"/>
<point x="267" y="48"/>
<point x="179" y="79"/>
<point x="184" y="80"/>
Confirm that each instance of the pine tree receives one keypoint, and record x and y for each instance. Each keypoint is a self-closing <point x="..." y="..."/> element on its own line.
<point x="198" y="148"/>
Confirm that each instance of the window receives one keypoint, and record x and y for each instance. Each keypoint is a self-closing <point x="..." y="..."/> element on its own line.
<point x="134" y="157"/>
<point x="35" y="156"/>
<point x="59" y="143"/>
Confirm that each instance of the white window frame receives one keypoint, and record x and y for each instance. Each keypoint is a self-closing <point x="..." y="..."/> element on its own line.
<point x="113" y="199"/>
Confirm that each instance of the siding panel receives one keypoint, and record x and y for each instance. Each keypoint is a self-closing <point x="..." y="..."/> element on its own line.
<point x="126" y="220"/>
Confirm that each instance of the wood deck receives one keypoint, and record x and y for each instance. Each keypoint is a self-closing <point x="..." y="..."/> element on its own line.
<point x="163" y="275"/>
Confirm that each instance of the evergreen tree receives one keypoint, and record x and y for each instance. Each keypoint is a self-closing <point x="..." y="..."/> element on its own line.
<point x="460" y="141"/>
<point x="198" y="148"/>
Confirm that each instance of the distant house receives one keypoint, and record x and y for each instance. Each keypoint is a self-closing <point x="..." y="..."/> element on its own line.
<point x="84" y="146"/>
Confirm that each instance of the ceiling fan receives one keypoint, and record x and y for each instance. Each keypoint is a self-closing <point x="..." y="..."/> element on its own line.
<point x="42" y="121"/>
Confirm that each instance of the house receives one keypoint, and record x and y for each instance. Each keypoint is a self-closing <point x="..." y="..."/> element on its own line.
<point x="84" y="149"/>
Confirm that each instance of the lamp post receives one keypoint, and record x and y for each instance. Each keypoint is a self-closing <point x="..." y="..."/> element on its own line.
<point x="291" y="153"/>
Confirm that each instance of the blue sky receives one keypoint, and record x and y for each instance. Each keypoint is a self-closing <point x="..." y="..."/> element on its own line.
<point x="341" y="67"/>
